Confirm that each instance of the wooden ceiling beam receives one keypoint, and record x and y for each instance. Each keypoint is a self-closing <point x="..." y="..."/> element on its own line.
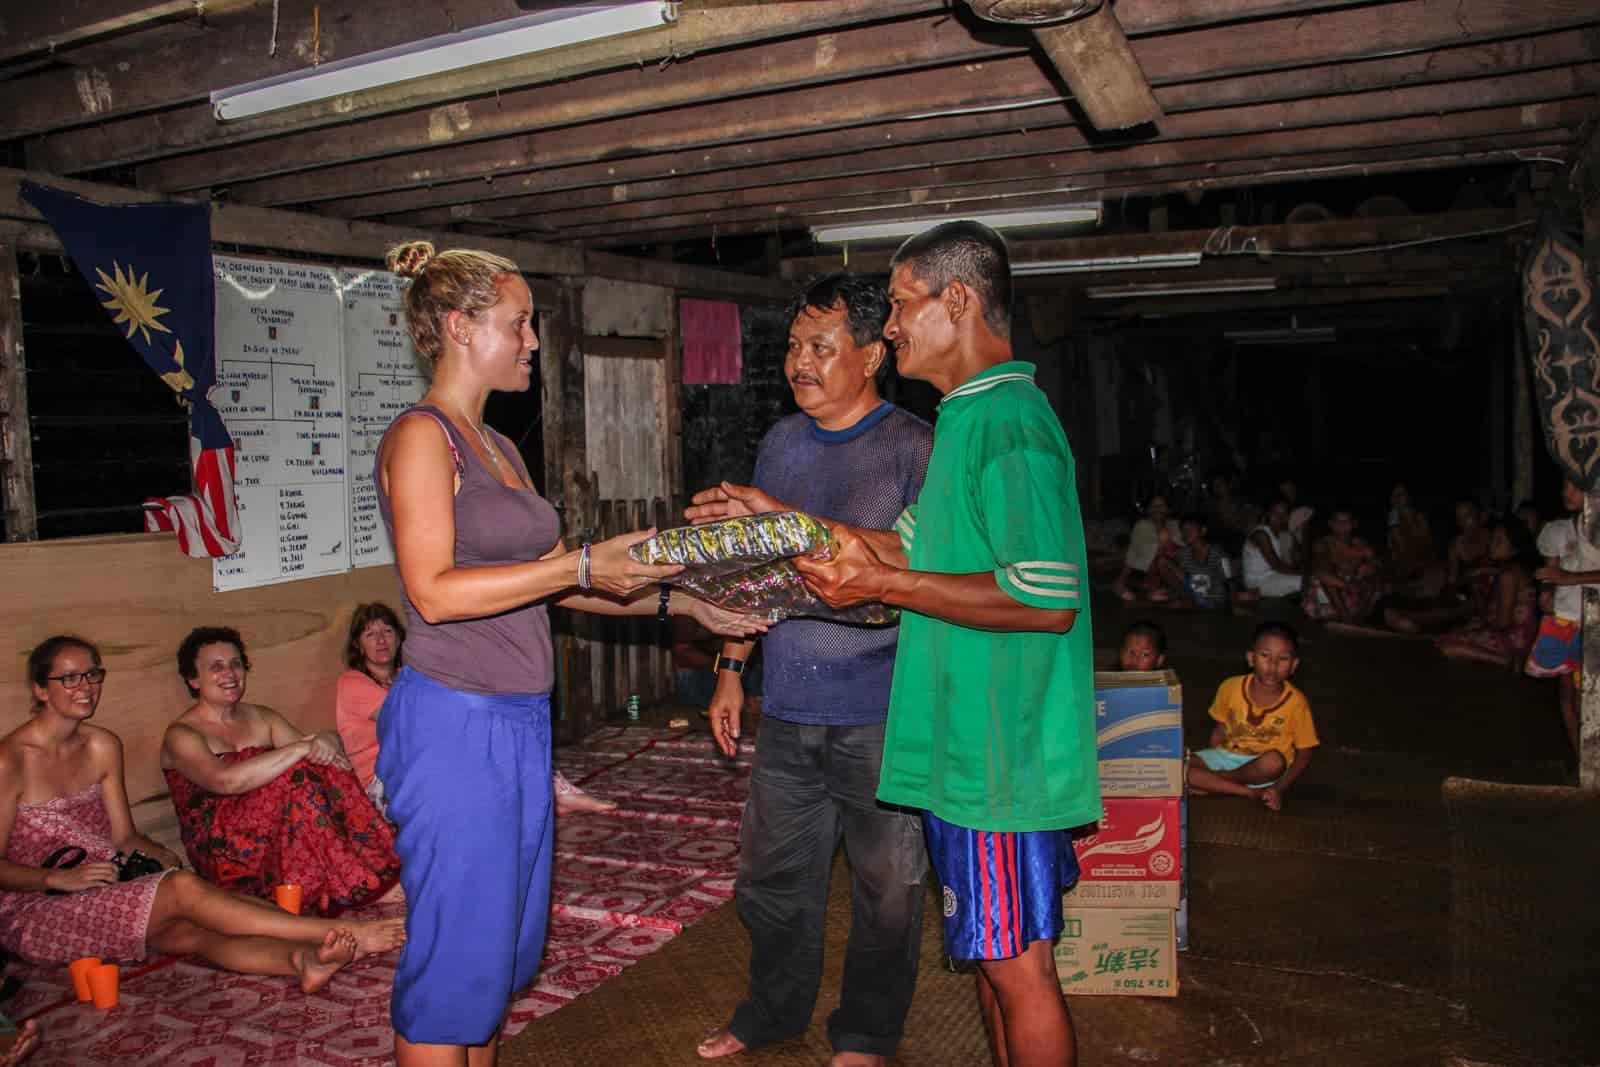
<point x="128" y="137"/>
<point x="185" y="72"/>
<point x="287" y="231"/>
<point x="1256" y="171"/>
<point x="1341" y="34"/>
<point x="1093" y="57"/>
<point x="51" y="28"/>
<point x="909" y="144"/>
<point x="700" y="29"/>
<point x="780" y="65"/>
<point x="1149" y="183"/>
<point x="1370" y="137"/>
<point x="1290" y="237"/>
<point x="1449" y="99"/>
<point x="1140" y="186"/>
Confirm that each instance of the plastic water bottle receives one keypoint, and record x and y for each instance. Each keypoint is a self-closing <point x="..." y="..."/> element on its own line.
<point x="633" y="707"/>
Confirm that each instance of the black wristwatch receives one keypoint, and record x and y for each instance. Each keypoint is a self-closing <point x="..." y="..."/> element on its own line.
<point x="728" y="663"/>
<point x="662" y="602"/>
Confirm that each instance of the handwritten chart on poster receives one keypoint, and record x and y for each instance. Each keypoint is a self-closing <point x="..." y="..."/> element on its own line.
<point x="383" y="378"/>
<point x="280" y="388"/>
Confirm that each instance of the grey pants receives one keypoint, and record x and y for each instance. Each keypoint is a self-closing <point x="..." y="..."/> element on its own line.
<point x="813" y="786"/>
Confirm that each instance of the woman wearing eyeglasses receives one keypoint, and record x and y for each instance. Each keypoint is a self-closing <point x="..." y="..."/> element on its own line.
<point x="62" y="796"/>
<point x="261" y="802"/>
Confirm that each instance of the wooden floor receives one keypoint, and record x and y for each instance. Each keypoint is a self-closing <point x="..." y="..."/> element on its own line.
<point x="1392" y="914"/>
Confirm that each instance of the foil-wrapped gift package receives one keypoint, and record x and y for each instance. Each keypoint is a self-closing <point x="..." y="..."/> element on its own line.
<point x="743" y="565"/>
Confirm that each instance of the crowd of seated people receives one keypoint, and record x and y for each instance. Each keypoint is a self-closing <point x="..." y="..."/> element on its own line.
<point x="1506" y="589"/>
<point x="1315" y="560"/>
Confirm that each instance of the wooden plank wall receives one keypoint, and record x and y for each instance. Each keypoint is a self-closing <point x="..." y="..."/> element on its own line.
<point x="136" y="597"/>
<point x="627" y="329"/>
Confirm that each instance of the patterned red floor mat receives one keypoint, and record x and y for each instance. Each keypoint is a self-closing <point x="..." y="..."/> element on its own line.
<point x="626" y="883"/>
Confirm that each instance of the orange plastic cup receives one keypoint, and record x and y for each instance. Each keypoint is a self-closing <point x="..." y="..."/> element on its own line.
<point x="288" y="897"/>
<point x="103" y="985"/>
<point x="79" y="969"/>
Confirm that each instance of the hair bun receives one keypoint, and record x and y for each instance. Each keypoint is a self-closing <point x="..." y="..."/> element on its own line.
<point x="409" y="259"/>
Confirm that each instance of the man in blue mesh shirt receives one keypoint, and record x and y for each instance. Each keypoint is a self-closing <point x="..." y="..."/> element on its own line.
<point x="851" y="456"/>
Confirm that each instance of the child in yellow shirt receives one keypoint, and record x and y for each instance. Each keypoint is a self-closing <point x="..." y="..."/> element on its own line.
<point x="1264" y="735"/>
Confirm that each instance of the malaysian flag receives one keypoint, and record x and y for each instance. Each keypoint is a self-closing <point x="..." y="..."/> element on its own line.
<point x="150" y="266"/>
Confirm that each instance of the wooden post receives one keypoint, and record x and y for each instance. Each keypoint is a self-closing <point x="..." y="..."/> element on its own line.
<point x="16" y="433"/>
<point x="568" y="485"/>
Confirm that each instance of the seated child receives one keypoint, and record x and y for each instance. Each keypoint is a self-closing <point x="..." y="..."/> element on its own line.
<point x="1264" y="734"/>
<point x="1144" y="648"/>
<point x="1196" y="577"/>
<point x="1153" y="537"/>
<point x="1343" y="579"/>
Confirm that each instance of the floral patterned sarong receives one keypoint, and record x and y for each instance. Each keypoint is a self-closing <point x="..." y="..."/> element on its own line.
<point x="312" y="826"/>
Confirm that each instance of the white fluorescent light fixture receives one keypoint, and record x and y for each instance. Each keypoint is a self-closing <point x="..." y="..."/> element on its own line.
<point x="1092" y="266"/>
<point x="1123" y="292"/>
<point x="1065" y="215"/>
<point x="1294" y="335"/>
<point x="436" y="55"/>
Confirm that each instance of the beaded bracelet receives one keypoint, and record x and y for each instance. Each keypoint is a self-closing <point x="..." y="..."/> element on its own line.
<point x="583" y="567"/>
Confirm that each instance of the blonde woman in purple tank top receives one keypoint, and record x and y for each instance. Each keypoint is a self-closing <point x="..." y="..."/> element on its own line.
<point x="464" y="738"/>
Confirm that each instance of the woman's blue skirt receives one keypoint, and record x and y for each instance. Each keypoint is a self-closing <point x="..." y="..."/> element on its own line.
<point x="467" y="779"/>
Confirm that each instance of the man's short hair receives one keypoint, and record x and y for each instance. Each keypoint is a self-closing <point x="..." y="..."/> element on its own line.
<point x="866" y="305"/>
<point x="968" y="252"/>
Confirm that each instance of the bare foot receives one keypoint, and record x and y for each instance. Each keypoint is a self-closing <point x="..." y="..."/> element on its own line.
<point x="375" y="936"/>
<point x="1272" y="798"/>
<point x="717" y="1044"/>
<point x="570" y="798"/>
<point x="857" y="1059"/>
<point x="567" y="803"/>
<point x="318" y="968"/>
<point x="22" y="1044"/>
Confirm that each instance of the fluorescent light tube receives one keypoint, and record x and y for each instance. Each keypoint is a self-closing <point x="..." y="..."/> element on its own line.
<point x="1122" y="292"/>
<point x="995" y="220"/>
<point x="1090" y="266"/>
<point x="436" y="55"/>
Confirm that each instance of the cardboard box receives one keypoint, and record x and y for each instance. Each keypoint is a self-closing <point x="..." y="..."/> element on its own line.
<point x="1135" y="857"/>
<point x="1118" y="952"/>
<point x="1138" y="717"/>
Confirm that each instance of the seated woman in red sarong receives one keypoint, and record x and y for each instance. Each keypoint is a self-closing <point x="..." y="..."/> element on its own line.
<point x="261" y="803"/>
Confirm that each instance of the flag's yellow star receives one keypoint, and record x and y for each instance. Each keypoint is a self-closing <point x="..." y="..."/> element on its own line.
<point x="132" y="300"/>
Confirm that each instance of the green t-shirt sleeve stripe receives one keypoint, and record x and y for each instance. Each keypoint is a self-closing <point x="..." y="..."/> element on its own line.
<point x="1039" y="585"/>
<point x="906" y="527"/>
<point x="1030" y="504"/>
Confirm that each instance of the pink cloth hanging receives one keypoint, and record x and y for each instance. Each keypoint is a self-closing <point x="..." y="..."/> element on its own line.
<point x="713" y="353"/>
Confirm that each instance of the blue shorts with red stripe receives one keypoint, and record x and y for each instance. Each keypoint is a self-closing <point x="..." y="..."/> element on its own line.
<point x="1001" y="891"/>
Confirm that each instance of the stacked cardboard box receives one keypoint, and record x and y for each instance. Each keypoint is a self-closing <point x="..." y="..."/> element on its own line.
<point x="1123" y="920"/>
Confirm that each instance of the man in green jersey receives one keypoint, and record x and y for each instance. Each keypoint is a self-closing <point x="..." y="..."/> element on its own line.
<point x="991" y="710"/>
